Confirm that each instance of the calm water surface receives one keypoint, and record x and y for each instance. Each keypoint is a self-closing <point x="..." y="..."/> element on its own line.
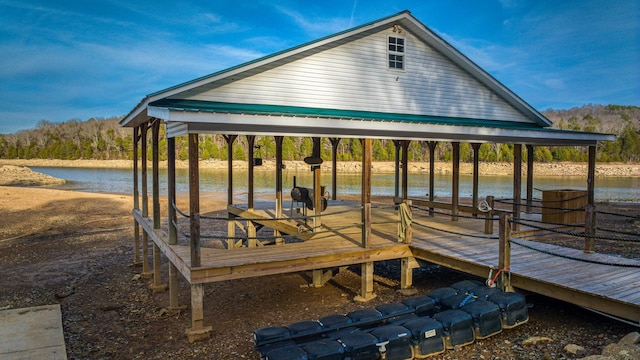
<point x="624" y="189"/>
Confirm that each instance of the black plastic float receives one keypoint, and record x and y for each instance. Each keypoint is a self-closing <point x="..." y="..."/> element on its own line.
<point x="416" y="328"/>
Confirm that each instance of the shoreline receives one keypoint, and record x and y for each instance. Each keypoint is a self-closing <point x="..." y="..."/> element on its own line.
<point x="485" y="168"/>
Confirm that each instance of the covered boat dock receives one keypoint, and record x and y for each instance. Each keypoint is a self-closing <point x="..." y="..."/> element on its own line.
<point x="390" y="79"/>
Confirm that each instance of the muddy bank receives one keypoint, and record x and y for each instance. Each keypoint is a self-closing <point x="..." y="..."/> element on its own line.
<point x="76" y="249"/>
<point x="486" y="168"/>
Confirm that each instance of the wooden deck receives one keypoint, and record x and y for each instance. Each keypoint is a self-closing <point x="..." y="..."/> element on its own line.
<point x="605" y="288"/>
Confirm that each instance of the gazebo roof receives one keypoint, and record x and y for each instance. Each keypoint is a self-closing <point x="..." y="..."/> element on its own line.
<point x="302" y="91"/>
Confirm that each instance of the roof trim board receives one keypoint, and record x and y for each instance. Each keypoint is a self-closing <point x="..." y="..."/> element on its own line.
<point x="183" y="121"/>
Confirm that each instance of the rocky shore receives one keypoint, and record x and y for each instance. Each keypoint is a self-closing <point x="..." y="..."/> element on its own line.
<point x="11" y="175"/>
<point x="486" y="168"/>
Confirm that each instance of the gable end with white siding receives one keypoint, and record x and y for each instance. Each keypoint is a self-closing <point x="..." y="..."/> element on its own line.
<point x="391" y="70"/>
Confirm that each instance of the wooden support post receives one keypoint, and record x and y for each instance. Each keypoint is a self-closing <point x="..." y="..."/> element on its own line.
<point x="174" y="303"/>
<point x="476" y="173"/>
<point x="172" y="221"/>
<point x="145" y="189"/>
<point x="197" y="331"/>
<point x="432" y="175"/>
<point x="251" y="227"/>
<point x="589" y="228"/>
<point x="155" y="172"/>
<point x="590" y="215"/>
<point x="488" y="223"/>
<point x="406" y="273"/>
<point x="517" y="184"/>
<point x="409" y="263"/>
<point x="396" y="145"/>
<point x="529" y="179"/>
<point x="591" y="176"/>
<point x="251" y="140"/>
<point x="334" y="167"/>
<point x="321" y="277"/>
<point x="136" y="198"/>
<point x="317" y="187"/>
<point x="230" y="140"/>
<point x="194" y="201"/>
<point x="157" y="285"/>
<point x="406" y="276"/>
<point x="408" y="233"/>
<point x="455" y="184"/>
<point x="366" y="192"/>
<point x="366" y="274"/>
<point x="405" y="168"/>
<point x="276" y="233"/>
<point x="147" y="273"/>
<point x="231" y="225"/>
<point x="504" y="260"/>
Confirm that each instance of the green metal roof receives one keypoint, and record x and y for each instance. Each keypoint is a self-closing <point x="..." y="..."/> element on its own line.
<point x="278" y="110"/>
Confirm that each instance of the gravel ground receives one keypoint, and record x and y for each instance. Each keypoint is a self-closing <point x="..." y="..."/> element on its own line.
<point x="76" y="249"/>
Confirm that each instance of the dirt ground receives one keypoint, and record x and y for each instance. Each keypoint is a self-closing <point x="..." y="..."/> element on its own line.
<point x="76" y="249"/>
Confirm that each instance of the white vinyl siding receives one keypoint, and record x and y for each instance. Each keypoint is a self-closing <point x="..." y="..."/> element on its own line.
<point x="355" y="76"/>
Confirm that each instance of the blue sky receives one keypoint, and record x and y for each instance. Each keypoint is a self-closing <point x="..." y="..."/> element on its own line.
<point x="66" y="59"/>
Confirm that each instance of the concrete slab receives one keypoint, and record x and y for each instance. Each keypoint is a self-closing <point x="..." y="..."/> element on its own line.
<point x="32" y="333"/>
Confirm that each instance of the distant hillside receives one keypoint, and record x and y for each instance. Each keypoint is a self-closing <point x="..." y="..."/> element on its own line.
<point x="607" y="119"/>
<point x="105" y="139"/>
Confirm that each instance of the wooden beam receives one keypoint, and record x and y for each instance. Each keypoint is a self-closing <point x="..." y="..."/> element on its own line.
<point x="517" y="184"/>
<point x="432" y="171"/>
<point x="366" y="192"/>
<point x="328" y="259"/>
<point x="334" y="167"/>
<point x="194" y="200"/>
<point x="530" y="160"/>
<point x="455" y="183"/>
<point x="476" y="173"/>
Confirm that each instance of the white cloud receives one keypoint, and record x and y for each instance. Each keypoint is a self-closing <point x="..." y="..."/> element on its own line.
<point x="489" y="56"/>
<point x="313" y="26"/>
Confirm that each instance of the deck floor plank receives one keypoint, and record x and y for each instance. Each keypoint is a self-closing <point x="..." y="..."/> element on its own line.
<point x="338" y="243"/>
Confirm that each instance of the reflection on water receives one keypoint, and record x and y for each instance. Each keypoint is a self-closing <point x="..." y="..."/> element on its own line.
<point x="120" y="181"/>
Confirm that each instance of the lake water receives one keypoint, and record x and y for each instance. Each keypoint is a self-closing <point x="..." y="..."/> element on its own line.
<point x="622" y="189"/>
